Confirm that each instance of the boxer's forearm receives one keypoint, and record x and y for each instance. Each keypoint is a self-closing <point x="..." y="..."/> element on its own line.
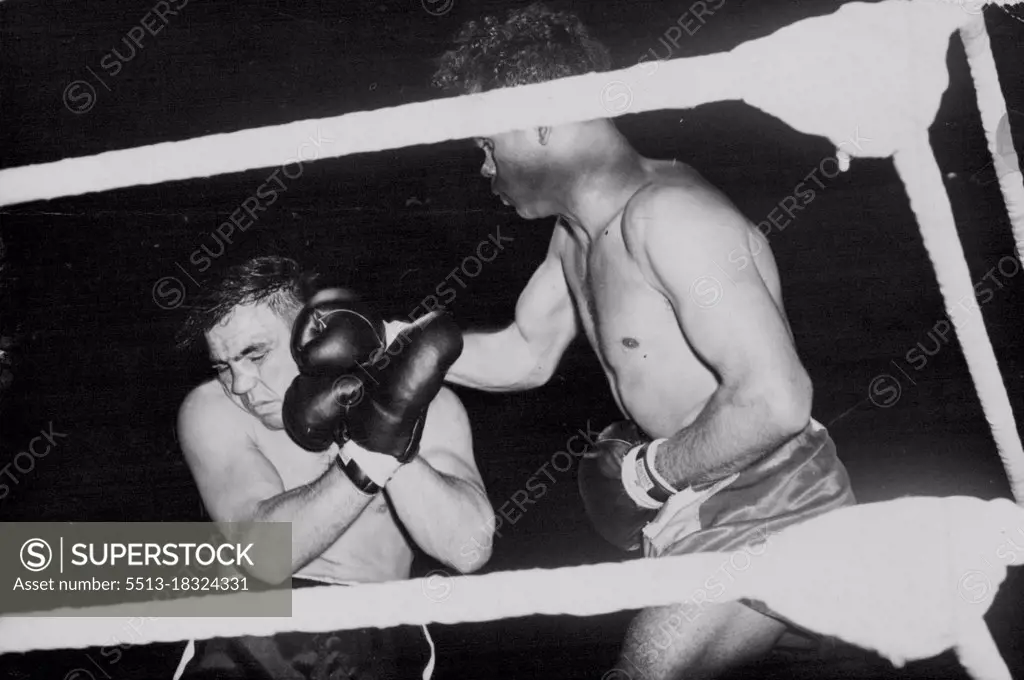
<point x="501" y="361"/>
<point x="448" y="517"/>
<point x="319" y="513"/>
<point x="736" y="428"/>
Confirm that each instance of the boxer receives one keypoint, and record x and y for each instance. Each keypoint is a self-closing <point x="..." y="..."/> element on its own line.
<point x="323" y="415"/>
<point x="679" y="296"/>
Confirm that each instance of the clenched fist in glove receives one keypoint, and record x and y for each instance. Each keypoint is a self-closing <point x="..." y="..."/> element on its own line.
<point x="382" y="430"/>
<point x="621" y="491"/>
<point x="335" y="332"/>
<point x="333" y="338"/>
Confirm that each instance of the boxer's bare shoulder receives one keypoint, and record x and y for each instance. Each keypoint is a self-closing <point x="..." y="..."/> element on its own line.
<point x="207" y="413"/>
<point x="678" y="194"/>
<point x="685" y="221"/>
<point x="217" y="441"/>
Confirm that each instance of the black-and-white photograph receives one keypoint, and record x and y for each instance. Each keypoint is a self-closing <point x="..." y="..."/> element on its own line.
<point x="511" y="339"/>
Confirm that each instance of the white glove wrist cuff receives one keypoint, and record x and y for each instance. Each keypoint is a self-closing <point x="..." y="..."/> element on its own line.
<point x="652" y="468"/>
<point x="637" y="481"/>
<point x="377" y="466"/>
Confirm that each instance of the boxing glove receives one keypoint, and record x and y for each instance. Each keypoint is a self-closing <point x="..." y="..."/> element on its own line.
<point x="333" y="337"/>
<point x="620" y="492"/>
<point x="334" y="333"/>
<point x="382" y="431"/>
<point x="315" y="406"/>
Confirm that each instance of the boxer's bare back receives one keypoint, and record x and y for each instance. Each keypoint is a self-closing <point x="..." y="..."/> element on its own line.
<point x="654" y="374"/>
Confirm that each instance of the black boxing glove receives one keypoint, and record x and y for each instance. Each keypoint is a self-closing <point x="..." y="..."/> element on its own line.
<point x="621" y="492"/>
<point x="333" y="335"/>
<point x="383" y="430"/>
<point x="314" y="409"/>
<point x="334" y="332"/>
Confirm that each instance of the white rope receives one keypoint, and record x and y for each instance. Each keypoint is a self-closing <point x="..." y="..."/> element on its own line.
<point x="852" y="66"/>
<point x="832" y="54"/>
<point x="908" y="579"/>
<point x="996" y="121"/>
<point x="923" y="181"/>
<point x="974" y="341"/>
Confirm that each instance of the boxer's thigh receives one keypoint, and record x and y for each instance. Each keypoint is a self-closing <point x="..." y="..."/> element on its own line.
<point x="665" y="643"/>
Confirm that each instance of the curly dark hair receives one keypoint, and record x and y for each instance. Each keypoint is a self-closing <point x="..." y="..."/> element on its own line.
<point x="532" y="45"/>
<point x="278" y="281"/>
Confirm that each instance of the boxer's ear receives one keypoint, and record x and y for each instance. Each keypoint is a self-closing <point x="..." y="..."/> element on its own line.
<point x="543" y="134"/>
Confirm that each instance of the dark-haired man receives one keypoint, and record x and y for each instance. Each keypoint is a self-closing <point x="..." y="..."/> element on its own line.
<point x="355" y="489"/>
<point x="719" y="449"/>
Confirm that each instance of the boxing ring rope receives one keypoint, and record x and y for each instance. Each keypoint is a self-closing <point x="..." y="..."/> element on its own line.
<point x="871" y="77"/>
<point x="908" y="579"/>
<point x="994" y="114"/>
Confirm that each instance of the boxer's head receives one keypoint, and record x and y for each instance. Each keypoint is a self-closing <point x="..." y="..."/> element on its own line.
<point x="246" y="322"/>
<point x="532" y="169"/>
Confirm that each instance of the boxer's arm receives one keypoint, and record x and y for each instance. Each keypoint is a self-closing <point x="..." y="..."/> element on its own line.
<point x="439" y="495"/>
<point x="526" y="353"/>
<point x="238" y="483"/>
<point x="681" y="241"/>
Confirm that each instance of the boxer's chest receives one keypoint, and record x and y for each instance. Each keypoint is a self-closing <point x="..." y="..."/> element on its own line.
<point x="635" y="332"/>
<point x="619" y="311"/>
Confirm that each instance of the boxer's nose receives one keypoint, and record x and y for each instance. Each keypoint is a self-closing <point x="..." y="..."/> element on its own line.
<point x="242" y="381"/>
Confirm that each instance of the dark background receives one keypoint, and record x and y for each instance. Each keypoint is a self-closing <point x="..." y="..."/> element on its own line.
<point x="94" y="356"/>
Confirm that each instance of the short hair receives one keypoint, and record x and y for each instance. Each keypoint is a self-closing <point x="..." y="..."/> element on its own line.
<point x="277" y="281"/>
<point x="532" y="45"/>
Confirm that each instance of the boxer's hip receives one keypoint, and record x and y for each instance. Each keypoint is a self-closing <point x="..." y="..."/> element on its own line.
<point x="802" y="479"/>
<point x="365" y="654"/>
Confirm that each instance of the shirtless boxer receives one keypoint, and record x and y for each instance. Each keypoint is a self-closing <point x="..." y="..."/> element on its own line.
<point x="347" y="478"/>
<point x="679" y="296"/>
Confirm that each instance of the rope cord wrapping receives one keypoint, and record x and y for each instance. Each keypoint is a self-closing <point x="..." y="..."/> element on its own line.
<point x="885" y="576"/>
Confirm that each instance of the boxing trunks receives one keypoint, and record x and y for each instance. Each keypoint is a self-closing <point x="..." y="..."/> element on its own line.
<point x="365" y="654"/>
<point x="802" y="479"/>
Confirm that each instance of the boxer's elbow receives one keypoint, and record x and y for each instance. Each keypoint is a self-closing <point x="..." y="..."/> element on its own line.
<point x="474" y="559"/>
<point x="788" y="401"/>
<point x="533" y="352"/>
<point x="269" y="575"/>
<point x="523" y="361"/>
<point x="541" y="360"/>
<point x="475" y="550"/>
<point x="269" y="557"/>
<point x="537" y="372"/>
<point x="775" y="404"/>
